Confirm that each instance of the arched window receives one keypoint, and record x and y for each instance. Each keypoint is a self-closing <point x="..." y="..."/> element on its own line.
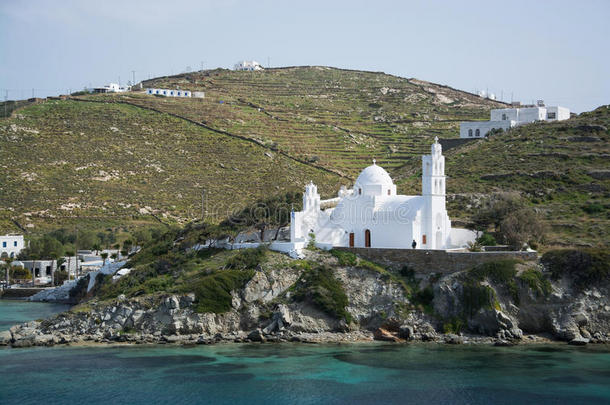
<point x="359" y="191"/>
<point x="389" y="192"/>
<point x="367" y="238"/>
<point x="470" y="132"/>
<point x="477" y="132"/>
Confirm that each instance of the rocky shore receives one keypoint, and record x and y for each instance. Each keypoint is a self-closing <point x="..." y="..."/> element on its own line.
<point x="380" y="308"/>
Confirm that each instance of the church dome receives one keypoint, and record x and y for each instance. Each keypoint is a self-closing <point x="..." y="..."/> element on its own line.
<point x="374" y="175"/>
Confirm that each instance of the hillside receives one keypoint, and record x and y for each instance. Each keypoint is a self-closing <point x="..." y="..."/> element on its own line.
<point x="111" y="159"/>
<point x="562" y="168"/>
<point x="108" y="160"/>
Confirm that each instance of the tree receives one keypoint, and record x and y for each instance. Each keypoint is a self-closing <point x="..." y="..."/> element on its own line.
<point x="495" y="209"/>
<point x="86" y="240"/>
<point x="104" y="257"/>
<point x="521" y="227"/>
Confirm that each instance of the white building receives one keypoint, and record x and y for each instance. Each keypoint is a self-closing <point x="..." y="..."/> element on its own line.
<point x="111" y="88"/>
<point x="169" y="92"/>
<point x="247" y="65"/>
<point x="11" y="245"/>
<point x="505" y="118"/>
<point x="373" y="215"/>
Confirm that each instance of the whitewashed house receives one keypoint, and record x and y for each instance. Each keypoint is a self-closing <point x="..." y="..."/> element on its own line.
<point x="11" y="245"/>
<point x="505" y="118"/>
<point x="247" y="65"/>
<point x="111" y="88"/>
<point x="373" y="215"/>
<point x="169" y="92"/>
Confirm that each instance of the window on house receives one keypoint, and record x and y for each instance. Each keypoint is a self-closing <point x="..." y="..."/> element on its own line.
<point x="15" y="243"/>
<point x="3" y="244"/>
<point x="477" y="133"/>
<point x="470" y="132"/>
<point x="551" y="116"/>
<point x="359" y="191"/>
<point x="503" y="117"/>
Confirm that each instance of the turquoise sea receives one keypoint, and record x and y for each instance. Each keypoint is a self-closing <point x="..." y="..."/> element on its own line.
<point x="306" y="374"/>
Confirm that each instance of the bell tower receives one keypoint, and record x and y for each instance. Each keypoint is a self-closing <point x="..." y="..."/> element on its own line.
<point x="435" y="222"/>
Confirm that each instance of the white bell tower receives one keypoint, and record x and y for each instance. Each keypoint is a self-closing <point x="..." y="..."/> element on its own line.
<point x="435" y="222"/>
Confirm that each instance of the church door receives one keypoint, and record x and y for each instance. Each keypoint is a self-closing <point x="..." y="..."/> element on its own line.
<point x="351" y="239"/>
<point x="367" y="238"/>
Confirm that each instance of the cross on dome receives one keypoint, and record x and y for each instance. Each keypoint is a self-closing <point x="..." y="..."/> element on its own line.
<point x="374" y="161"/>
<point x="436" y="139"/>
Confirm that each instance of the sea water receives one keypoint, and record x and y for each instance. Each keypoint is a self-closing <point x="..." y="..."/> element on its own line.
<point x="293" y="373"/>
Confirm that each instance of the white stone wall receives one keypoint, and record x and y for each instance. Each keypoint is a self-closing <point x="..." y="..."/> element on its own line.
<point x="11" y="245"/>
<point x="469" y="129"/>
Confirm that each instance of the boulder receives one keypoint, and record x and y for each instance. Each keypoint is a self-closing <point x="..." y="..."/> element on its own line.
<point x="385" y="336"/>
<point x="256" y="336"/>
<point x="406" y="332"/>
<point x="579" y="341"/>
<point x="453" y="339"/>
<point x="5" y="338"/>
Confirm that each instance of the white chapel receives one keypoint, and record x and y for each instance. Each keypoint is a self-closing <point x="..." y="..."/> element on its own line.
<point x="371" y="214"/>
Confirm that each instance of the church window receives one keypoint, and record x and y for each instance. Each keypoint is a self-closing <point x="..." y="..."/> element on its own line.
<point x="470" y="132"/>
<point x="389" y="192"/>
<point x="359" y="191"/>
<point x="423" y="239"/>
<point x="477" y="132"/>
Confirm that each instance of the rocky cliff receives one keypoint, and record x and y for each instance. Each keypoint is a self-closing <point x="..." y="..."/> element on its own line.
<point x="340" y="297"/>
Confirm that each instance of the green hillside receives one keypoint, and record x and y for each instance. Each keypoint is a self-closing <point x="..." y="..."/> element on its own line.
<point x="561" y="168"/>
<point x="108" y="160"/>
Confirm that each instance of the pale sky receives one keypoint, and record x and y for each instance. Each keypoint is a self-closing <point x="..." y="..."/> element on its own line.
<point x="553" y="50"/>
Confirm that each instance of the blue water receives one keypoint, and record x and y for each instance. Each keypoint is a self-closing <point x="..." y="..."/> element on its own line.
<point x="13" y="312"/>
<point x="306" y="374"/>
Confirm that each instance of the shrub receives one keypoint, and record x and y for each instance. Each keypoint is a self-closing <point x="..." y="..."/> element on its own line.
<point x="213" y="291"/>
<point x="536" y="281"/>
<point x="454" y="325"/>
<point x="586" y="267"/>
<point x="247" y="258"/>
<point x="319" y="286"/>
<point x="593" y="208"/>
<point x="500" y="272"/>
<point x="345" y="258"/>
<point x="522" y="226"/>
<point x="487" y="239"/>
<point x="476" y="296"/>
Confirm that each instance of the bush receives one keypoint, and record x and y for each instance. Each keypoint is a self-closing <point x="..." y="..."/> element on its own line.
<point x="476" y="296"/>
<point x="487" y="239"/>
<point x="522" y="226"/>
<point x="454" y="325"/>
<point x="500" y="272"/>
<point x="536" y="281"/>
<point x="586" y="267"/>
<point x="213" y="292"/>
<point x="593" y="208"/>
<point x="345" y="258"/>
<point x="319" y="286"/>
<point x="247" y="258"/>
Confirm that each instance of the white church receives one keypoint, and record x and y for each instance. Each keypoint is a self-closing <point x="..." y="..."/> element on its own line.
<point x="372" y="215"/>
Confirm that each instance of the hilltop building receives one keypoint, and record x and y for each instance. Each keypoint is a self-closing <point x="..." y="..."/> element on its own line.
<point x="247" y="65"/>
<point x="505" y="118"/>
<point x="111" y="88"/>
<point x="175" y="93"/>
<point x="372" y="214"/>
<point x="11" y="245"/>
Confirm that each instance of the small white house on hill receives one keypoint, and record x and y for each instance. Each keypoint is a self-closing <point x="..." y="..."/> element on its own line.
<point x="169" y="92"/>
<point x="505" y="118"/>
<point x="247" y="65"/>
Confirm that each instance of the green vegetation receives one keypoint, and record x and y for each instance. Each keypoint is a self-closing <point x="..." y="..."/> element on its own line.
<point x="501" y="273"/>
<point x="476" y="296"/>
<point x="345" y="258"/>
<point x="213" y="292"/>
<point x="586" y="267"/>
<point x="247" y="258"/>
<point x="536" y="281"/>
<point x="454" y="325"/>
<point x="319" y="286"/>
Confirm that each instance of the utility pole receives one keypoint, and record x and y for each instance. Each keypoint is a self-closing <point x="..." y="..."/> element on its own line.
<point x="268" y="62"/>
<point x="202" y="205"/>
<point x="32" y="93"/>
<point x="133" y="77"/>
<point x="501" y="95"/>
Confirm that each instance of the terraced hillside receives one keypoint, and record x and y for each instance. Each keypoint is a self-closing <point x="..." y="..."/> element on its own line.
<point x="333" y="118"/>
<point x="64" y="161"/>
<point x="562" y="168"/>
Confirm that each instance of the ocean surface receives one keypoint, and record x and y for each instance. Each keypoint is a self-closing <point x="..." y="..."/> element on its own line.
<point x="13" y="312"/>
<point x="306" y="374"/>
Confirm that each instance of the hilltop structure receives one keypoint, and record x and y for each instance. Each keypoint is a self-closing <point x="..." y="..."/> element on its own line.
<point x="505" y="118"/>
<point x="247" y="65"/>
<point x="373" y="215"/>
<point x="111" y="88"/>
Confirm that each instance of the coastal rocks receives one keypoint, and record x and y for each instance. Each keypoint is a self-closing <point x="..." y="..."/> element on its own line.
<point x="385" y="336"/>
<point x="579" y="341"/>
<point x="5" y="338"/>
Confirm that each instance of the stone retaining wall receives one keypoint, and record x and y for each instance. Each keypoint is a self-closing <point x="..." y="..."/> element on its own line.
<point x="435" y="261"/>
